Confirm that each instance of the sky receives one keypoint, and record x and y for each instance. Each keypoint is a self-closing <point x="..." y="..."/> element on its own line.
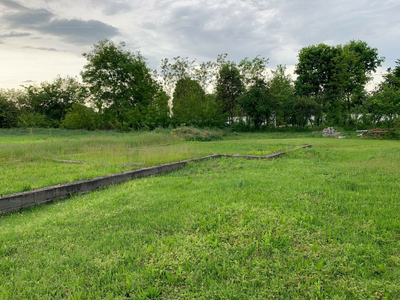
<point x="40" y="40"/>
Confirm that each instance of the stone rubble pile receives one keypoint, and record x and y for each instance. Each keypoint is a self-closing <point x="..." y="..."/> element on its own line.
<point x="330" y="132"/>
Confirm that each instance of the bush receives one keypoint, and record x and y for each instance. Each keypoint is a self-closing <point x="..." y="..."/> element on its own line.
<point x="8" y="113"/>
<point x="81" y="117"/>
<point x="195" y="134"/>
<point x="33" y="120"/>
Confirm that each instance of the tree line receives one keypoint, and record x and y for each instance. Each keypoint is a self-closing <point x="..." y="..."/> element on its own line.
<point x="119" y="91"/>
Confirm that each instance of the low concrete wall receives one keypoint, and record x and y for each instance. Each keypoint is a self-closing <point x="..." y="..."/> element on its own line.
<point x="14" y="202"/>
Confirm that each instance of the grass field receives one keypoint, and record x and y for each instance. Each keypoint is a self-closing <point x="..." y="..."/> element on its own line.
<point x="319" y="223"/>
<point x="30" y="159"/>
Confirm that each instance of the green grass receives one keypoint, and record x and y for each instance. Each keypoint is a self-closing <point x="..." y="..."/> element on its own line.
<point x="319" y="223"/>
<point x="27" y="157"/>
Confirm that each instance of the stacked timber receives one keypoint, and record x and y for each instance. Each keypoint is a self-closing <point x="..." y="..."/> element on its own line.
<point x="375" y="133"/>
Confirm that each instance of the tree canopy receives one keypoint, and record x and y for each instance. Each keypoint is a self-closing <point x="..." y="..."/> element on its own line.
<point x="120" y="91"/>
<point x="335" y="75"/>
<point x="229" y="88"/>
<point x="120" y="83"/>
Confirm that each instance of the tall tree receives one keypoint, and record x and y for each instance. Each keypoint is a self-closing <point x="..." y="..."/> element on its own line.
<point x="265" y="101"/>
<point x="158" y="111"/>
<point x="188" y="83"/>
<point x="229" y="87"/>
<point x="393" y="76"/>
<point x="335" y="74"/>
<point x="188" y="102"/>
<point x="256" y="103"/>
<point x="315" y="70"/>
<point x="119" y="81"/>
<point x="253" y="71"/>
<point x="354" y="67"/>
<point x="384" y="103"/>
<point x="173" y="71"/>
<point x="281" y="95"/>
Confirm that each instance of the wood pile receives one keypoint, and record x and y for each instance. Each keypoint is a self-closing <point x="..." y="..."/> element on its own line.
<point x="375" y="133"/>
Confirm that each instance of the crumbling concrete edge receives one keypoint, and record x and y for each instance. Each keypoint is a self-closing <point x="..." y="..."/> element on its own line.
<point x="14" y="202"/>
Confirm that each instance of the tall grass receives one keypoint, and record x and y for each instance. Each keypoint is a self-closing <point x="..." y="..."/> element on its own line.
<point x="28" y="160"/>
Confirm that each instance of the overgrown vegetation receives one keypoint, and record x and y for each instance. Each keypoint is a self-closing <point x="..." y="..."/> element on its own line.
<point x="195" y="134"/>
<point x="317" y="223"/>
<point x="90" y="154"/>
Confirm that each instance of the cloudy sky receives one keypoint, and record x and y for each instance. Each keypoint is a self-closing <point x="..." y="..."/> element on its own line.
<point x="40" y="39"/>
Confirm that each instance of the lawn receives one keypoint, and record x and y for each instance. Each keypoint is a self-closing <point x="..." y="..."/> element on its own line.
<point x="319" y="223"/>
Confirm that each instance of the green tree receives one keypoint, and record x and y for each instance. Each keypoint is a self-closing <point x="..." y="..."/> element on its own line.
<point x="188" y="83"/>
<point x="188" y="102"/>
<point x="252" y="71"/>
<point x="212" y="113"/>
<point x="29" y="119"/>
<point x="304" y="109"/>
<point x="281" y="95"/>
<point x="393" y="76"/>
<point x="53" y="99"/>
<point x="157" y="112"/>
<point x="8" y="112"/>
<point x="171" y="72"/>
<point x="315" y="70"/>
<point x="335" y="75"/>
<point x="80" y="116"/>
<point x="354" y="67"/>
<point x="119" y="82"/>
<point x="256" y="103"/>
<point x="229" y="88"/>
<point x="384" y="103"/>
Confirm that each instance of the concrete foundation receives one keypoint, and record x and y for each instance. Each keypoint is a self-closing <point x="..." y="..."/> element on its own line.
<point x="14" y="202"/>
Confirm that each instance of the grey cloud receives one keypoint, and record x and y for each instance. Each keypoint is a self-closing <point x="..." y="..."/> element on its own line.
<point x="79" y="31"/>
<point x="205" y="30"/>
<point x="41" y="48"/>
<point x="110" y="7"/>
<point x="75" y="31"/>
<point x="271" y="28"/>
<point x="113" y="7"/>
<point x="27" y="19"/>
<point x="12" y="5"/>
<point x="202" y="29"/>
<point x="150" y="25"/>
<point x="340" y="21"/>
<point x="14" y="34"/>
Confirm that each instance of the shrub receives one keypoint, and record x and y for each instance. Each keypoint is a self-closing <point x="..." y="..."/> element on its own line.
<point x="195" y="134"/>
<point x="33" y="120"/>
<point x="8" y="113"/>
<point x="81" y="117"/>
